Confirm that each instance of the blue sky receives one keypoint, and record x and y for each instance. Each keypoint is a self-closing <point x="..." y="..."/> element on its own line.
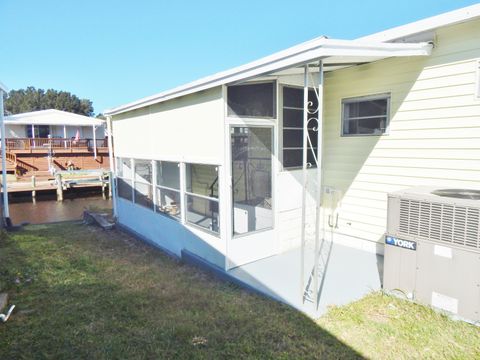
<point x="113" y="52"/>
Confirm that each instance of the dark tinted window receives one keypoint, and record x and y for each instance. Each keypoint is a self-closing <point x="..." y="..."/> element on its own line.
<point x="252" y="100"/>
<point x="293" y="126"/>
<point x="365" y="116"/>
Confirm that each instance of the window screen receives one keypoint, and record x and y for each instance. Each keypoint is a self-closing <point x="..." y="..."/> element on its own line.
<point x="292" y="112"/>
<point x="124" y="178"/>
<point x="168" y="186"/>
<point x="252" y="100"/>
<point x="201" y="196"/>
<point x="143" y="183"/>
<point x="365" y="115"/>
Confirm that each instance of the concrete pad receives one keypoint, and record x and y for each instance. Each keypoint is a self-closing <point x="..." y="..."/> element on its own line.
<point x="345" y="275"/>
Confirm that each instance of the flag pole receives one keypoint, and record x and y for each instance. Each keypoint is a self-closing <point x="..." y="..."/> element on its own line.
<point x="6" y="213"/>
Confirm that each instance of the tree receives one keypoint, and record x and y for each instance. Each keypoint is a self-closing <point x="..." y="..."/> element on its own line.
<point x="32" y="99"/>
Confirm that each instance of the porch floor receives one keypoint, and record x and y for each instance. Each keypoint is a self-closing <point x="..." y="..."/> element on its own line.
<point x="345" y="274"/>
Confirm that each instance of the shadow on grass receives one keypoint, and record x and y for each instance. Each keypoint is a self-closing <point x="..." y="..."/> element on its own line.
<point x="106" y="295"/>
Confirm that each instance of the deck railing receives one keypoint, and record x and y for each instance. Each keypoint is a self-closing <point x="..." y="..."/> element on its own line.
<point x="53" y="143"/>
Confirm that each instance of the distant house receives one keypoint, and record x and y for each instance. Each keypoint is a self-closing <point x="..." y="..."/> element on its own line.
<point x="56" y="123"/>
<point x="38" y="141"/>
<point x="258" y="170"/>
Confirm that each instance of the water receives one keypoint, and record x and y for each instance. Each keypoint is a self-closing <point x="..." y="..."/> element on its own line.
<point x="47" y="209"/>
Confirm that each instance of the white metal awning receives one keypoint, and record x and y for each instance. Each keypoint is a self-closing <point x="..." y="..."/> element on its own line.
<point x="335" y="54"/>
<point x="52" y="117"/>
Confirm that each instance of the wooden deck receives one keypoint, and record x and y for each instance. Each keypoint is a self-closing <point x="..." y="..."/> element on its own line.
<point x="27" y="156"/>
<point x="44" y="145"/>
<point x="62" y="181"/>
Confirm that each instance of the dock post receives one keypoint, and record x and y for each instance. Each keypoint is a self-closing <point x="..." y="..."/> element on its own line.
<point x="102" y="181"/>
<point x="110" y="180"/>
<point x="34" y="182"/>
<point x="58" y="178"/>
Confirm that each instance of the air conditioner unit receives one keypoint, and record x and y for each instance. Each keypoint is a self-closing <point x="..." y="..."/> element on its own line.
<point x="432" y="248"/>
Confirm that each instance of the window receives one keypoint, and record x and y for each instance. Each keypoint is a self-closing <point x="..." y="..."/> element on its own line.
<point x="365" y="115"/>
<point x="40" y="131"/>
<point x="251" y="178"/>
<point x="143" y="183"/>
<point x="201" y="196"/>
<point x="124" y="178"/>
<point x="252" y="100"/>
<point x="293" y="127"/>
<point x="478" y="80"/>
<point x="168" y="188"/>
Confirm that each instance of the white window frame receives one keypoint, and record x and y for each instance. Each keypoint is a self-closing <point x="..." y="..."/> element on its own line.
<point x="275" y="100"/>
<point x="157" y="186"/>
<point x="117" y="176"/>
<point x="135" y="181"/>
<point x="186" y="193"/>
<point x="386" y="96"/>
<point x="281" y="128"/>
<point x="477" y="80"/>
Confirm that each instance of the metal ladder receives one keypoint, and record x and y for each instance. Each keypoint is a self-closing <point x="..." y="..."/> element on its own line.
<point x="314" y="284"/>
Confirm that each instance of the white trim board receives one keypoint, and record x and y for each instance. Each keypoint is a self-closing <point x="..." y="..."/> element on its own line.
<point x="320" y="48"/>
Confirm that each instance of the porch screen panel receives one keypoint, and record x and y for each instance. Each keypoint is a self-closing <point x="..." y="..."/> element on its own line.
<point x="292" y="117"/>
<point x="201" y="196"/>
<point x="124" y="179"/>
<point x="168" y="189"/>
<point x="252" y="179"/>
<point x="143" y="183"/>
<point x="252" y="100"/>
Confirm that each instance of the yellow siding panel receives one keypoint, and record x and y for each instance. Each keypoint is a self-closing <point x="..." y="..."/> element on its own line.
<point x="434" y="136"/>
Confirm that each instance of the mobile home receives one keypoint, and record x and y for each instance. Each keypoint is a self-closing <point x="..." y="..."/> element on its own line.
<point x="276" y="172"/>
<point x="39" y="140"/>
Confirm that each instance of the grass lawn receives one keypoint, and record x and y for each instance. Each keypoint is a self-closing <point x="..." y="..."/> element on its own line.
<point x="85" y="293"/>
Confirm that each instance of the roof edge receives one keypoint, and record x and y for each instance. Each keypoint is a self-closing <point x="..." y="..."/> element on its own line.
<point x="46" y="112"/>
<point x="304" y="52"/>
<point x="434" y="22"/>
<point x="399" y="32"/>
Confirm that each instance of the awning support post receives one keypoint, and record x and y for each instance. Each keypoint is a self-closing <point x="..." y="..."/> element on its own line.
<point x="318" y="199"/>
<point x="112" y="164"/>
<point x="65" y="135"/>
<point x="304" y="181"/>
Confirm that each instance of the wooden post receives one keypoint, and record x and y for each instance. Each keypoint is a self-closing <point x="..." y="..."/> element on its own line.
<point x="58" y="178"/>
<point x="110" y="181"/>
<point x="94" y="143"/>
<point x="34" y="183"/>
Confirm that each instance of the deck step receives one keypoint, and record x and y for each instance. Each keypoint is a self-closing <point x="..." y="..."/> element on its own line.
<point x="100" y="219"/>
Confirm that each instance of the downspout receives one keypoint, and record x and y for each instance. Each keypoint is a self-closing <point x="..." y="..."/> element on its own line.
<point x="6" y="213"/>
<point x="112" y="164"/>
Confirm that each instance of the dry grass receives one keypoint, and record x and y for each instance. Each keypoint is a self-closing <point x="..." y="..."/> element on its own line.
<point x="384" y="327"/>
<point x="89" y="294"/>
<point x="83" y="293"/>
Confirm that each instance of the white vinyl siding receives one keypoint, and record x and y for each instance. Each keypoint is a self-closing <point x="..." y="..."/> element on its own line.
<point x="434" y="131"/>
